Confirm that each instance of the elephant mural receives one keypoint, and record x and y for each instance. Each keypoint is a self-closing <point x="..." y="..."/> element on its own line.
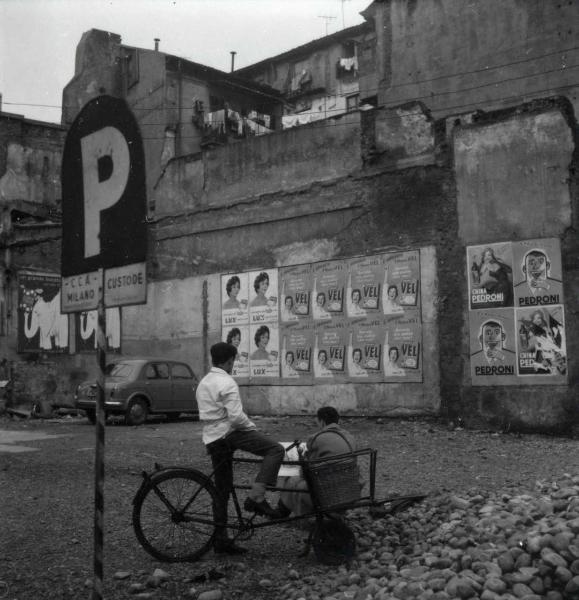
<point x="43" y="318"/>
<point x="88" y="325"/>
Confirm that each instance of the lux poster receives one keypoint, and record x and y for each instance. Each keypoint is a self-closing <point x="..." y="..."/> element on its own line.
<point x="490" y="281"/>
<point x="329" y="282"/>
<point x="41" y="326"/>
<point x="402" y="350"/>
<point x="297" y="342"/>
<point x="365" y="279"/>
<point x="365" y="350"/>
<point x="239" y="337"/>
<point x="296" y="286"/>
<point x="86" y="327"/>
<point x="401" y="287"/>
<point x="493" y="347"/>
<point x="330" y="345"/>
<point x="541" y="346"/>
<point x="538" y="272"/>
<point x="263" y="296"/>
<point x="234" y="299"/>
<point x="264" y="353"/>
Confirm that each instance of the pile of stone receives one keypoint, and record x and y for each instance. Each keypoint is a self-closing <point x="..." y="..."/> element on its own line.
<point x="493" y="546"/>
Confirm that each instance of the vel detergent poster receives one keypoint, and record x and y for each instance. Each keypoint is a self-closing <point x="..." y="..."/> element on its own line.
<point x="365" y="350"/>
<point x="296" y="287"/>
<point x="297" y="353"/>
<point x="401" y="287"/>
<point x="402" y="350"/>
<point x="329" y="282"/>
<point x="330" y="345"/>
<point x="365" y="279"/>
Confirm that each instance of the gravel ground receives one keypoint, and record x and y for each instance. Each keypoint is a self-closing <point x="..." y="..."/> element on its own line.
<point x="46" y="500"/>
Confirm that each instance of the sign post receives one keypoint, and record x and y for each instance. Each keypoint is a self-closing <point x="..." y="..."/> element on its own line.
<point x="104" y="244"/>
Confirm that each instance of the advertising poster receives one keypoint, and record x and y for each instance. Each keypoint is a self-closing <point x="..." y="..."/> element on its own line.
<point x="264" y="353"/>
<point x="493" y="347"/>
<point x="365" y="348"/>
<point x="537" y="272"/>
<point x="234" y="299"/>
<point x="295" y="289"/>
<point x="541" y="347"/>
<point x="86" y="326"/>
<point x="329" y="282"/>
<point x="41" y="326"/>
<point x="263" y="296"/>
<point x="239" y="337"/>
<point x="401" y="287"/>
<point x="402" y="350"/>
<point x="297" y="342"/>
<point x="365" y="278"/>
<point x="330" y="346"/>
<point x="490" y="275"/>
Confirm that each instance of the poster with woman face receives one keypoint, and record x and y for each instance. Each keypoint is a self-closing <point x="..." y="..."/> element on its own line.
<point x="401" y="287"/>
<point x="490" y="275"/>
<point x="541" y="345"/>
<point x="295" y="290"/>
<point x="538" y="274"/>
<point x="492" y="347"/>
<point x="264" y="353"/>
<point x="329" y="357"/>
<point x="86" y="327"/>
<point x="41" y="326"/>
<point x="365" y="347"/>
<point x="234" y="299"/>
<point x="365" y="278"/>
<point x="402" y="350"/>
<point x="263" y="296"/>
<point x="239" y="337"/>
<point x="297" y="341"/>
<point x="329" y="282"/>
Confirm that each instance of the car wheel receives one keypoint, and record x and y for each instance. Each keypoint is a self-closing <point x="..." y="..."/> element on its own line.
<point x="137" y="412"/>
<point x="91" y="415"/>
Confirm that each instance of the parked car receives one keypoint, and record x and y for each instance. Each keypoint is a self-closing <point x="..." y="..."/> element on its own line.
<point x="137" y="387"/>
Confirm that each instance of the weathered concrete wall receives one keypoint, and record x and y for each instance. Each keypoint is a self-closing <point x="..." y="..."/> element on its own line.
<point x="515" y="181"/>
<point x="456" y="56"/>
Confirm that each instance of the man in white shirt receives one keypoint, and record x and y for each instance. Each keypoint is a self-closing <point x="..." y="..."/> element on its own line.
<point x="227" y="428"/>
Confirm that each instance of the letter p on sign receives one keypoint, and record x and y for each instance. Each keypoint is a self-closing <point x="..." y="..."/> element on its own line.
<point x="103" y="190"/>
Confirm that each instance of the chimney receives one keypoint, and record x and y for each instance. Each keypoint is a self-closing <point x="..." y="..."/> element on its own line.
<point x="157" y="40"/>
<point x="233" y="53"/>
<point x="0" y="102"/>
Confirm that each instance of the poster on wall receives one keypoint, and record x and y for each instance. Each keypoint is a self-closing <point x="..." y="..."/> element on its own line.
<point x="490" y="279"/>
<point x="538" y="272"/>
<point x="264" y="353"/>
<point x="297" y="341"/>
<point x="365" y="279"/>
<point x="330" y="346"/>
<point x="86" y="326"/>
<point x="263" y="296"/>
<point x="239" y="337"/>
<point x="365" y="349"/>
<point x="402" y="350"/>
<point x="493" y="342"/>
<point x="234" y="299"/>
<point x="541" y="346"/>
<point x="401" y="287"/>
<point x="41" y="326"/>
<point x="329" y="282"/>
<point x="295" y="289"/>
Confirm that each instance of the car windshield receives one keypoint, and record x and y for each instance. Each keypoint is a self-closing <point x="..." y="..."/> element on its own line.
<point x="123" y="370"/>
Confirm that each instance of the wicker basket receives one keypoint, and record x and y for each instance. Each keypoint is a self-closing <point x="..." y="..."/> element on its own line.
<point x="334" y="482"/>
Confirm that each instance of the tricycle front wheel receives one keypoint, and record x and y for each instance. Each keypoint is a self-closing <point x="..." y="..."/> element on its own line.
<point x="173" y="515"/>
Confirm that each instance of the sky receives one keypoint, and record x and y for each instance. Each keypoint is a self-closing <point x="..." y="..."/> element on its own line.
<point x="38" y="38"/>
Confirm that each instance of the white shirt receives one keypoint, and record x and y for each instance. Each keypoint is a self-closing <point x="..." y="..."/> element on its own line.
<point x="220" y="406"/>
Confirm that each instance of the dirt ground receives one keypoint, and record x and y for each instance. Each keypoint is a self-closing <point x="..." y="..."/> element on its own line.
<point x="47" y="496"/>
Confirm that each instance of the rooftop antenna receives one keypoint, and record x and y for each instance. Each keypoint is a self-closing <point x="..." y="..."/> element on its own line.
<point x="327" y="18"/>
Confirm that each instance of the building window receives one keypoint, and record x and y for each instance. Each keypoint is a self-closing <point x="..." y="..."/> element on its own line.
<point x="352" y="102"/>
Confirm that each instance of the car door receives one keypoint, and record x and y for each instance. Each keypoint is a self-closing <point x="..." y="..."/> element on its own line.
<point x="158" y="386"/>
<point x="184" y="386"/>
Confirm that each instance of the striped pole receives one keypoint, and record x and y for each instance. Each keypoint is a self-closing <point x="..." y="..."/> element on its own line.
<point x="99" y="471"/>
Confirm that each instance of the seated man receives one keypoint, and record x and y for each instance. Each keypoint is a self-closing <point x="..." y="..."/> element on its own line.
<point x="325" y="443"/>
<point x="227" y="428"/>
